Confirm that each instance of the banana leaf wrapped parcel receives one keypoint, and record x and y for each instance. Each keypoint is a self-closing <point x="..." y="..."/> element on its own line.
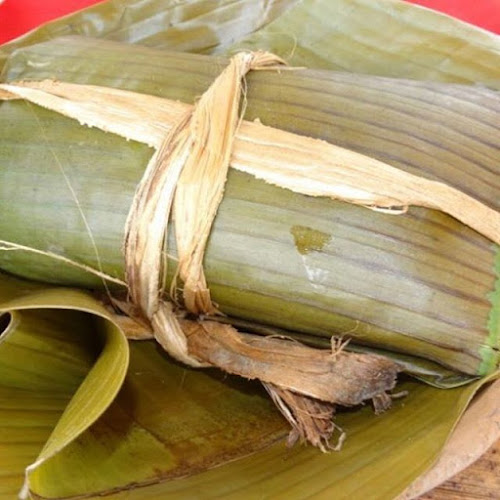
<point x="354" y="238"/>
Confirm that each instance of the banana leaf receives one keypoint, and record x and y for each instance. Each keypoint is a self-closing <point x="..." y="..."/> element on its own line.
<point x="39" y="341"/>
<point x="187" y="26"/>
<point x="342" y="34"/>
<point x="442" y="269"/>
<point x="381" y="37"/>
<point x="169" y="421"/>
<point x="91" y="362"/>
<point x="480" y="47"/>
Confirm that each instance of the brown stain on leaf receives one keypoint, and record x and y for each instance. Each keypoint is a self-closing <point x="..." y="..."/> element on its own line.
<point x="307" y="239"/>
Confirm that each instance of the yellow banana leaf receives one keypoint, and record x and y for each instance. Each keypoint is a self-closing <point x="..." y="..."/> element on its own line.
<point x="169" y="421"/>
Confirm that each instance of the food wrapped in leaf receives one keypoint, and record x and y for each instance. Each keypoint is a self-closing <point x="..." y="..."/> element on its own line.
<point x="411" y="282"/>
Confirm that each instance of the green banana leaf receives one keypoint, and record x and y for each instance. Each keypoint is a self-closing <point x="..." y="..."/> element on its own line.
<point x="35" y="346"/>
<point x="442" y="269"/>
<point x="170" y="421"/>
<point x="404" y="441"/>
<point x="381" y="37"/>
<point x="41" y="368"/>
<point x="187" y="26"/>
<point x="341" y="34"/>
<point x="213" y="422"/>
